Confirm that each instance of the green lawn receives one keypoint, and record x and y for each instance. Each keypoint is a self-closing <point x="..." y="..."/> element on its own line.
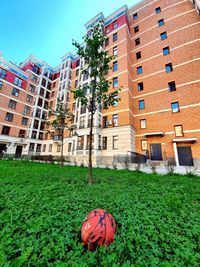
<point x="42" y="208"/>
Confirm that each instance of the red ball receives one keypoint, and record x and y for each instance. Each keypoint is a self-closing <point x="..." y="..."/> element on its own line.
<point x="98" y="229"/>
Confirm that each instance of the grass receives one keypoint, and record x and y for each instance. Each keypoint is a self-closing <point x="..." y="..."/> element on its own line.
<point x="43" y="206"/>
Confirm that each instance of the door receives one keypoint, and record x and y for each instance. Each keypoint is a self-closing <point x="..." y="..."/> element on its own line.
<point x="2" y="148"/>
<point x="156" y="151"/>
<point x="18" y="152"/>
<point x="185" y="156"/>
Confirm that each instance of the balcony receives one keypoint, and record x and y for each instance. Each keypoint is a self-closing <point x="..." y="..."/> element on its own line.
<point x="57" y="138"/>
<point x="80" y="147"/>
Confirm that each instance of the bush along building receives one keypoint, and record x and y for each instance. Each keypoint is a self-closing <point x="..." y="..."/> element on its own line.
<point x="156" y="49"/>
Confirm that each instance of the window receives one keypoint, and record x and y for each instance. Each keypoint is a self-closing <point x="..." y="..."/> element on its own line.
<point x="9" y="117"/>
<point x="175" y="107"/>
<point x="135" y="16"/>
<point x="31" y="147"/>
<point x="69" y="147"/>
<point x="144" y="145"/>
<point x="138" y="55"/>
<point x="24" y="121"/>
<point x="143" y="124"/>
<point x="139" y="70"/>
<point x="77" y="72"/>
<point x="18" y="82"/>
<point x="163" y="35"/>
<point x="50" y="148"/>
<point x="172" y="86"/>
<point x="12" y="104"/>
<point x="178" y="130"/>
<point x="115" y="37"/>
<point x="34" y="78"/>
<point x="1" y="84"/>
<point x="115" y="120"/>
<point x="58" y="148"/>
<point x="115" y="51"/>
<point x="136" y="29"/>
<point x="22" y="133"/>
<point x="158" y="10"/>
<point x="82" y="122"/>
<point x="161" y="22"/>
<point x="115" y="103"/>
<point x="76" y="83"/>
<point x="105" y="119"/>
<point x="137" y="41"/>
<point x="44" y="148"/>
<point x="140" y="86"/>
<point x="29" y="98"/>
<point x="32" y="88"/>
<point x="115" y="66"/>
<point x="107" y="30"/>
<point x="27" y="110"/>
<point x="5" y="130"/>
<point x="115" y="25"/>
<point x="168" y="67"/>
<point x="15" y="92"/>
<point x="107" y="42"/>
<point x="83" y="109"/>
<point x="141" y="104"/>
<point x="115" y="82"/>
<point x="115" y="142"/>
<point x="47" y="95"/>
<point x="2" y="73"/>
<point x="35" y="69"/>
<point x="104" y="142"/>
<point x="166" y="51"/>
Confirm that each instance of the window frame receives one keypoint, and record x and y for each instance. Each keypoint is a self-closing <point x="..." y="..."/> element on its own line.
<point x="136" y="29"/>
<point x="144" y="145"/>
<point x="115" y="37"/>
<point x="161" y="22"/>
<point x="178" y="107"/>
<point x="139" y="70"/>
<point x="168" y="67"/>
<point x="182" y="133"/>
<point x="7" y="118"/>
<point x="142" y="86"/>
<point x="115" y="66"/>
<point x="115" y="140"/>
<point x="158" y="10"/>
<point x="138" y="55"/>
<point x="163" y="36"/>
<point x="171" y="85"/>
<point x="115" y="81"/>
<point x="145" y="124"/>
<point x="18" y="82"/>
<point x="137" y="41"/>
<point x="141" y="104"/>
<point x="166" y="49"/>
<point x="135" y="16"/>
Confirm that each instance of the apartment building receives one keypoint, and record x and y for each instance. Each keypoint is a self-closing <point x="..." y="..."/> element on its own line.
<point x="156" y="45"/>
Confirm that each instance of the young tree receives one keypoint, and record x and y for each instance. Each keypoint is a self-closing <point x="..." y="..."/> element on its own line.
<point x="97" y="61"/>
<point x="62" y="119"/>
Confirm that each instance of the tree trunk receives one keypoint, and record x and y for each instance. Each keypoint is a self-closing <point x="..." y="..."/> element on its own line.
<point x="61" y="160"/>
<point x="90" y="178"/>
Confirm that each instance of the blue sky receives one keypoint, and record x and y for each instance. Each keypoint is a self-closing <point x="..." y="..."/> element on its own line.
<point x="45" y="28"/>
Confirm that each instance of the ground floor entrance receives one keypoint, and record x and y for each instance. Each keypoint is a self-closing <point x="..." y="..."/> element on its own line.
<point x="2" y="148"/>
<point x="18" y="152"/>
<point x="156" y="151"/>
<point x="185" y="156"/>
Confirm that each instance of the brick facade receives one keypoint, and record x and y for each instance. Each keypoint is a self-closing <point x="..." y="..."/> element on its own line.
<point x="157" y="53"/>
